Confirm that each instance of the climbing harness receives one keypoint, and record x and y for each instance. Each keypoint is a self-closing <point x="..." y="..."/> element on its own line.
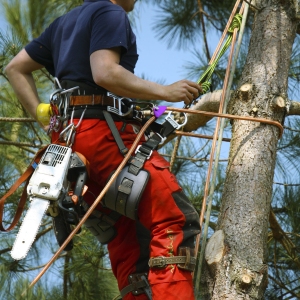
<point x="138" y="284"/>
<point x="125" y="193"/>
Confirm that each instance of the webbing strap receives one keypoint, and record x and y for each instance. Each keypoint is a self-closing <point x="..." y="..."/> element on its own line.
<point x="124" y="191"/>
<point x="133" y="287"/>
<point x="145" y="150"/>
<point x="24" y="178"/>
<point x="138" y="284"/>
<point x="111" y="124"/>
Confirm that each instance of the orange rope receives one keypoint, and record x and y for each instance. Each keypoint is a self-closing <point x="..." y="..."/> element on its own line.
<point x="228" y="116"/>
<point x="209" y="137"/>
<point x="225" y="31"/>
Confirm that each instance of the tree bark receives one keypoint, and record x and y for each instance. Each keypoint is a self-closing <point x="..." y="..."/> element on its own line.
<point x="245" y="208"/>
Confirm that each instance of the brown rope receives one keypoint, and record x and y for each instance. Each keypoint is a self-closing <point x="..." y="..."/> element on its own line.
<point x="17" y="120"/>
<point x="173" y="157"/>
<point x="209" y="137"/>
<point x="228" y="116"/>
<point x="225" y="31"/>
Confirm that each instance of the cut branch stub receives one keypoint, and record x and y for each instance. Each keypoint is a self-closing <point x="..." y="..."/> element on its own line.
<point x="245" y="281"/>
<point x="215" y="251"/>
<point x="278" y="102"/>
<point x="245" y="90"/>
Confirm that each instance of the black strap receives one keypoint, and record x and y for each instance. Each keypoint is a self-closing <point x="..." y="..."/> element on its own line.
<point x="145" y="150"/>
<point x="124" y="191"/>
<point x="138" y="284"/>
<point x="133" y="287"/>
<point x="111" y="124"/>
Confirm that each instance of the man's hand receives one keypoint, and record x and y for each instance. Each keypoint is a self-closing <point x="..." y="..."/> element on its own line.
<point x="183" y="90"/>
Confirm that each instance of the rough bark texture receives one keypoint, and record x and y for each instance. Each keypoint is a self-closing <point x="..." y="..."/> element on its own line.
<point x="244" y="215"/>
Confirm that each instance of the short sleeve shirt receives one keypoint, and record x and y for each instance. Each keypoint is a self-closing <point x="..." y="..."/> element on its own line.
<point x="64" y="48"/>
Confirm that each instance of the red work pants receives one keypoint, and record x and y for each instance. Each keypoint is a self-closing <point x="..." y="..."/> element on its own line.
<point x="166" y="218"/>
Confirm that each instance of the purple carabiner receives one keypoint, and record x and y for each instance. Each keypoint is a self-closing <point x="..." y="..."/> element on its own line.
<point x="159" y="110"/>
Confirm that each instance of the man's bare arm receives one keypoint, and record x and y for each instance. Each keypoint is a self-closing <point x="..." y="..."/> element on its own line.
<point x="109" y="74"/>
<point x="19" y="72"/>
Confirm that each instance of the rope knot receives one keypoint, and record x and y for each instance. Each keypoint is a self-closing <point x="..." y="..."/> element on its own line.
<point x="205" y="87"/>
<point x="236" y="23"/>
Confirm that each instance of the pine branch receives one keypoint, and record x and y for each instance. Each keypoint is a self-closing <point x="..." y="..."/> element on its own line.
<point x="283" y="286"/>
<point x="3" y="119"/>
<point x="21" y="144"/>
<point x="280" y="236"/>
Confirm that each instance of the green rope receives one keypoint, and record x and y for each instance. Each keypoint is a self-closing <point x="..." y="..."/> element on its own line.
<point x="204" y="80"/>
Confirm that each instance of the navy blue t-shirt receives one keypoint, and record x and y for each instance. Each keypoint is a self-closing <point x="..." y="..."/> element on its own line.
<point x="64" y="48"/>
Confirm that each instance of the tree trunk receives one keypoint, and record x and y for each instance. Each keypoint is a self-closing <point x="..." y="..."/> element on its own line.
<point x="241" y="271"/>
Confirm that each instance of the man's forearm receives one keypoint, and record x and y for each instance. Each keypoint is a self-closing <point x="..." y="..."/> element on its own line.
<point x="25" y="89"/>
<point x="122" y="82"/>
<point x="19" y="72"/>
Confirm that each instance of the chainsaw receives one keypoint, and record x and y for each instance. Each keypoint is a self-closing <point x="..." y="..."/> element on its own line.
<point x="55" y="188"/>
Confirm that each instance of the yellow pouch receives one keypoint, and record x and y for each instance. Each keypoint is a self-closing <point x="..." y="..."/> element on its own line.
<point x="43" y="113"/>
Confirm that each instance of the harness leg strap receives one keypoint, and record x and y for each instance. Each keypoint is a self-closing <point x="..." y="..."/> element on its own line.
<point x="138" y="284"/>
<point x="186" y="260"/>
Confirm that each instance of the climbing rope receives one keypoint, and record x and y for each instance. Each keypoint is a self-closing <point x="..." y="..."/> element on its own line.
<point x="174" y="153"/>
<point x="205" y="79"/>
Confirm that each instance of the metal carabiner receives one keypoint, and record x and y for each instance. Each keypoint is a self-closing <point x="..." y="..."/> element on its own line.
<point x="81" y="117"/>
<point x="58" y="91"/>
<point x="120" y="102"/>
<point x="175" y="124"/>
<point x="65" y="130"/>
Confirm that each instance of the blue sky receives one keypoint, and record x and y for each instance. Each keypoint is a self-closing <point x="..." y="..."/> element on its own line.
<point x="156" y="61"/>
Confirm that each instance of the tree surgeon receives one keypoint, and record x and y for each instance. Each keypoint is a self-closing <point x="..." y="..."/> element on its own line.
<point x="93" y="47"/>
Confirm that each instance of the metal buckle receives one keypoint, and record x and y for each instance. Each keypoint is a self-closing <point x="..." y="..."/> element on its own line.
<point x="162" y="138"/>
<point x="175" y="124"/>
<point x="138" y="150"/>
<point x="120" y="102"/>
<point x="158" y="262"/>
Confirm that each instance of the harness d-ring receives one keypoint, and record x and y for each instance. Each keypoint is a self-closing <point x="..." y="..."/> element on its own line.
<point x="174" y="123"/>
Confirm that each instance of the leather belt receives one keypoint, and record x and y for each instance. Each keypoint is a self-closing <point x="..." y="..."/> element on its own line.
<point x="102" y="100"/>
<point x="162" y="261"/>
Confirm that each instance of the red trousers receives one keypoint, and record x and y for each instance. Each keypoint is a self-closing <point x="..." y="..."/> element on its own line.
<point x="167" y="220"/>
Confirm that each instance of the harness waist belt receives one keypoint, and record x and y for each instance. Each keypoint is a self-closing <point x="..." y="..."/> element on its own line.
<point x="91" y="112"/>
<point x="103" y="100"/>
